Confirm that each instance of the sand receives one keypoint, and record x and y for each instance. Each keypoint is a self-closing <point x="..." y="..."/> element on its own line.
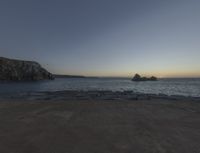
<point x="104" y="126"/>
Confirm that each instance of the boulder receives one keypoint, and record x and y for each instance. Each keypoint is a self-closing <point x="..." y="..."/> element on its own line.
<point x="153" y="78"/>
<point x="137" y="77"/>
<point x="18" y="70"/>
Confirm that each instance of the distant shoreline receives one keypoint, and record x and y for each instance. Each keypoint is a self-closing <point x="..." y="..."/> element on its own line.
<point x="115" y="77"/>
<point x="67" y="76"/>
<point x="72" y="76"/>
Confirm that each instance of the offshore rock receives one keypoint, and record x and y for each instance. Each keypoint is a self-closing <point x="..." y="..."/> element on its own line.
<point x="137" y="77"/>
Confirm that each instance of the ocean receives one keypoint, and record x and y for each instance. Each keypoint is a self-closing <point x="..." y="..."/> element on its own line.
<point x="182" y="87"/>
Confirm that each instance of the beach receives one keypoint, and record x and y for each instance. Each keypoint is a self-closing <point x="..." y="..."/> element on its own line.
<point x="151" y="125"/>
<point x="99" y="76"/>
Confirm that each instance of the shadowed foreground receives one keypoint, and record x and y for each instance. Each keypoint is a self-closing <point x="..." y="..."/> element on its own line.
<point x="153" y="126"/>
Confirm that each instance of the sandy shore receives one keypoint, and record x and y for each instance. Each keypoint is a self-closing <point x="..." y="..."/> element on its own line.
<point x="104" y="126"/>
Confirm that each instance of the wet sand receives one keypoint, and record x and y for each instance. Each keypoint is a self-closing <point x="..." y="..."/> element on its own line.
<point x="100" y="126"/>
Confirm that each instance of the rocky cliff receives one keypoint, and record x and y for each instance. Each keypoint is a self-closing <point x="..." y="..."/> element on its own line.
<point x="17" y="70"/>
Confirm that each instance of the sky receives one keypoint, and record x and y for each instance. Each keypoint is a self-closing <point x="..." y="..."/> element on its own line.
<point x="104" y="37"/>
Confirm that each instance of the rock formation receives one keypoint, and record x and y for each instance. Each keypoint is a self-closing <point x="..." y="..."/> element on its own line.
<point x="137" y="77"/>
<point x="17" y="70"/>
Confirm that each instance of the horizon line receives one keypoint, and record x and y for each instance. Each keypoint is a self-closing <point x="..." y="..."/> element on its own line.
<point x="96" y="76"/>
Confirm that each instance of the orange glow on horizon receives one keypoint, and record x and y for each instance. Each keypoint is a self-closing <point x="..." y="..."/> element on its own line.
<point x="160" y="74"/>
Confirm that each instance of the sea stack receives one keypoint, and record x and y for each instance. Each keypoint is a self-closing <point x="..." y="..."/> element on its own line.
<point x="137" y="77"/>
<point x="18" y="70"/>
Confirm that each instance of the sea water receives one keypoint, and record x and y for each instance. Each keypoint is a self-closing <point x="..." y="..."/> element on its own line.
<point x="182" y="87"/>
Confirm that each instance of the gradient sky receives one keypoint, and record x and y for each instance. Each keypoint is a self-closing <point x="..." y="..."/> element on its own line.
<point x="104" y="37"/>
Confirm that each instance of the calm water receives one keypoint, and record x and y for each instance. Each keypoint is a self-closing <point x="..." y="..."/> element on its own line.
<point x="186" y="87"/>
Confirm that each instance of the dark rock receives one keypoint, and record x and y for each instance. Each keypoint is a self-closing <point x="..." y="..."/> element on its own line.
<point x="17" y="70"/>
<point x="153" y="78"/>
<point x="137" y="77"/>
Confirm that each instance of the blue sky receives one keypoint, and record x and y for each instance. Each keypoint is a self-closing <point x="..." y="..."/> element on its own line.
<point x="104" y="37"/>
